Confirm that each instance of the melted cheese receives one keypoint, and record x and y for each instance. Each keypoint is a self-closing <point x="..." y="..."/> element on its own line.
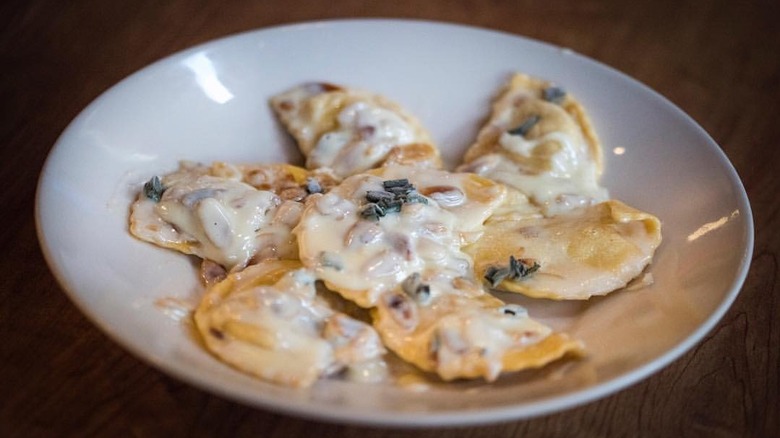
<point x="361" y="258"/>
<point x="211" y="213"/>
<point x="365" y="135"/>
<point x="268" y="321"/>
<point x="453" y="328"/>
<point x="222" y="216"/>
<point x="462" y="332"/>
<point x="414" y="267"/>
<point x="553" y="194"/>
<point x="347" y="130"/>
<point x="556" y="161"/>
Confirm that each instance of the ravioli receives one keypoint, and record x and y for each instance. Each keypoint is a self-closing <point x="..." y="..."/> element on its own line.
<point x="228" y="214"/>
<point x="348" y="130"/>
<point x="268" y="321"/>
<point x="375" y="219"/>
<point x="540" y="141"/>
<point x="458" y="331"/>
<point x="559" y="235"/>
<point x="405" y="262"/>
<point x="365" y="236"/>
<point x="583" y="253"/>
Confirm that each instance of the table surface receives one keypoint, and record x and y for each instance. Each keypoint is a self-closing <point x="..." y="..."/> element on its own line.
<point x="61" y="376"/>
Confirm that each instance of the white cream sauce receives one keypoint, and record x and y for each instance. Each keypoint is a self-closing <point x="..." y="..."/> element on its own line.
<point x="218" y="218"/>
<point x="285" y="333"/>
<point x="458" y="332"/>
<point x="361" y="258"/>
<point x="366" y="134"/>
<point x="223" y="216"/>
<point x="553" y="194"/>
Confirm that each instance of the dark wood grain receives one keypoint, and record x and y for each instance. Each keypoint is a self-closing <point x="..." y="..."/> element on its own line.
<point x="60" y="376"/>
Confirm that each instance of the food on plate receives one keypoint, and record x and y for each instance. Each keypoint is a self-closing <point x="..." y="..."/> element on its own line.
<point x="228" y="214"/>
<point x="268" y="320"/>
<point x="394" y="244"/>
<point x="317" y="272"/>
<point x="375" y="229"/>
<point x="539" y="140"/>
<point x="347" y="130"/>
<point x="454" y="328"/>
<point x="585" y="252"/>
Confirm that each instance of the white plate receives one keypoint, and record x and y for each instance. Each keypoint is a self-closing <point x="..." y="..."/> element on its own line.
<point x="210" y="102"/>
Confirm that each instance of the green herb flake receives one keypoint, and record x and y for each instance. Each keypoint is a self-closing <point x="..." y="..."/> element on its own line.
<point x="396" y="193"/>
<point x="526" y="126"/>
<point x="153" y="189"/>
<point x="554" y="95"/>
<point x="331" y="261"/>
<point x="517" y="269"/>
<point x="415" y="288"/>
<point x="414" y="197"/>
<point x="521" y="268"/>
<point x="313" y="186"/>
<point x="378" y="196"/>
<point x="513" y="310"/>
<point x="495" y="275"/>
<point x="392" y="183"/>
<point x="372" y="211"/>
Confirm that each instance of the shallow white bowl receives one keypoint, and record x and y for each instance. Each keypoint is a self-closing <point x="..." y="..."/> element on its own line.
<point x="210" y="103"/>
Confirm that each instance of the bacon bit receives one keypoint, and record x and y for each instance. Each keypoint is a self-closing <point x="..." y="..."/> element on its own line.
<point x="211" y="272"/>
<point x="286" y="105"/>
<point x="320" y="87"/>
<point x="216" y="333"/>
<point x="400" y="244"/>
<point x="366" y="132"/>
<point x="402" y="310"/>
<point x="293" y="194"/>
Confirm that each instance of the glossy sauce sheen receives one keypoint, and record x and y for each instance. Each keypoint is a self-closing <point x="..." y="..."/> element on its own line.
<point x="282" y="331"/>
<point x="217" y="218"/>
<point x="408" y="266"/>
<point x="556" y="161"/>
<point x="361" y="258"/>
<point x="365" y="135"/>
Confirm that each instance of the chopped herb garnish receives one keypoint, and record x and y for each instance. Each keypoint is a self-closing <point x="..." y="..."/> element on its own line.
<point x="396" y="193"/>
<point x="521" y="268"/>
<point x="414" y="197"/>
<point x="313" y="186"/>
<point x="389" y="184"/>
<point x="378" y="195"/>
<point x="372" y="212"/>
<point x="495" y="275"/>
<point x="554" y="94"/>
<point x="526" y="126"/>
<point x="414" y="287"/>
<point x="391" y="206"/>
<point x="153" y="189"/>
<point x="330" y="260"/>
<point x="513" y="310"/>
<point x="517" y="270"/>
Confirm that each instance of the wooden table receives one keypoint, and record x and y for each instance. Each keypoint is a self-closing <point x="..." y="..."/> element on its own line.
<point x="61" y="376"/>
